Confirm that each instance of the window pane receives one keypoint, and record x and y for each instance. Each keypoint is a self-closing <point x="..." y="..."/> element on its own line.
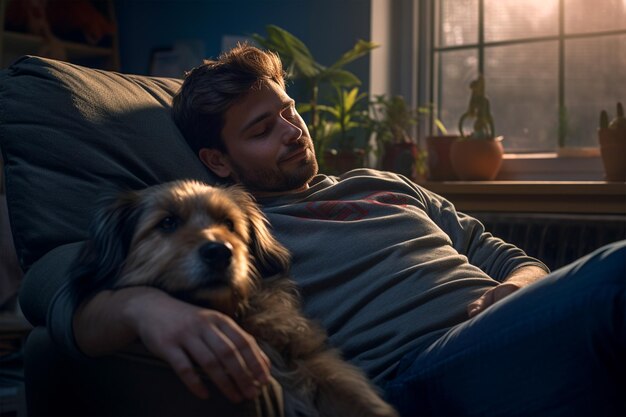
<point x="594" y="81"/>
<point x="459" y="22"/>
<point x="458" y="69"/>
<point x="596" y="15"/>
<point x="522" y="86"/>
<point x="515" y="19"/>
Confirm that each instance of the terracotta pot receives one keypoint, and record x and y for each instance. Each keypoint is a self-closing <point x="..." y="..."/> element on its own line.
<point x="401" y="158"/>
<point x="439" y="164"/>
<point x="477" y="159"/>
<point x="613" y="150"/>
<point x="339" y="161"/>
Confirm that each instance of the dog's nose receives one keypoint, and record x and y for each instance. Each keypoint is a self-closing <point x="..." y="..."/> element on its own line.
<point x="216" y="254"/>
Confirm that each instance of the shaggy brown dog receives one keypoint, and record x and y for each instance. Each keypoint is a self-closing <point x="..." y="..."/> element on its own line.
<point x="211" y="246"/>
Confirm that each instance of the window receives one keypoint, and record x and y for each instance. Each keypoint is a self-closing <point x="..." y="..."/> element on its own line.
<point x="550" y="66"/>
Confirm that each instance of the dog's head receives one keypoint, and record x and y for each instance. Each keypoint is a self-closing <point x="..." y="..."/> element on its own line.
<point x="206" y="244"/>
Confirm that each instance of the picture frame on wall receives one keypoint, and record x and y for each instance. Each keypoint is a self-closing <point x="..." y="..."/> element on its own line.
<point x="173" y="61"/>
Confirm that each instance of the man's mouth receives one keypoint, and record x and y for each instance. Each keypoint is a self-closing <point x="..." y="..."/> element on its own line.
<point x="297" y="154"/>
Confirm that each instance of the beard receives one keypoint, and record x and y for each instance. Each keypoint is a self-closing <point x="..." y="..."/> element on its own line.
<point x="275" y="179"/>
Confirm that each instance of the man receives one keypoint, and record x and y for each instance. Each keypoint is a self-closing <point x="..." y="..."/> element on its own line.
<point x="446" y="318"/>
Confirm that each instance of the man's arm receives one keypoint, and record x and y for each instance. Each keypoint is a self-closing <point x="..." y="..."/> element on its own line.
<point x="492" y="255"/>
<point x="517" y="279"/>
<point x="181" y="334"/>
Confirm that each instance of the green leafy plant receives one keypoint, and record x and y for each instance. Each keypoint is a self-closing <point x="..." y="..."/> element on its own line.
<point x="346" y="113"/>
<point x="618" y="124"/>
<point x="612" y="140"/>
<point x="391" y="120"/>
<point x="479" y="110"/>
<point x="604" y="120"/>
<point x="338" y="121"/>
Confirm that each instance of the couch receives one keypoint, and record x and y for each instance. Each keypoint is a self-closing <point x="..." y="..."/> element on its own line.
<point x="68" y="134"/>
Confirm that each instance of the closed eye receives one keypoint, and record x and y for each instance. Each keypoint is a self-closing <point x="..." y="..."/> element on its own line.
<point x="262" y="132"/>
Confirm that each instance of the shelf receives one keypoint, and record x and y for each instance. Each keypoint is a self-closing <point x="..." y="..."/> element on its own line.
<point x="15" y="44"/>
<point x="26" y="41"/>
<point x="593" y="197"/>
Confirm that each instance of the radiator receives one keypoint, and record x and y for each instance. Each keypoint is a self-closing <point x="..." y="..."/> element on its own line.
<point x="555" y="239"/>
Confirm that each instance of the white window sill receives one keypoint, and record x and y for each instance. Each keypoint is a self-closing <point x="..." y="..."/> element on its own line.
<point x="565" y="165"/>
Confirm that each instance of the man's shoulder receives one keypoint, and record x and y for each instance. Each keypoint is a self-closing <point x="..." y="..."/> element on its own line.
<point x="369" y="173"/>
<point x="375" y="176"/>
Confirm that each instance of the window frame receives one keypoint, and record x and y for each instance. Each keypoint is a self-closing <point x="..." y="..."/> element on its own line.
<point x="567" y="163"/>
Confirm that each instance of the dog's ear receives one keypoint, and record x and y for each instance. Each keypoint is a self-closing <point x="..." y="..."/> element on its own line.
<point x="270" y="256"/>
<point x="111" y="233"/>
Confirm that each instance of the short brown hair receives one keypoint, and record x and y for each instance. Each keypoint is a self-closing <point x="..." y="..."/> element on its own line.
<point x="209" y="90"/>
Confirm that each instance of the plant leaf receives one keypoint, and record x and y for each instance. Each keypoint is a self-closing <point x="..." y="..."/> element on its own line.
<point x="340" y="78"/>
<point x="358" y="50"/>
<point x="329" y="109"/>
<point x="440" y="126"/>
<point x="303" y="107"/>
<point x="293" y="52"/>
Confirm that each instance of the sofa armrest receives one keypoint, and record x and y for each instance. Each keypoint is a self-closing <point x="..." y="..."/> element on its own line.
<point x="44" y="279"/>
<point x="131" y="383"/>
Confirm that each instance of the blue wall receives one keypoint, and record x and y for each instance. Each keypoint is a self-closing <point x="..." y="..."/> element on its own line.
<point x="327" y="27"/>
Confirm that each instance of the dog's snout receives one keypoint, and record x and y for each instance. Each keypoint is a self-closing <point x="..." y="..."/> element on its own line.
<point x="216" y="254"/>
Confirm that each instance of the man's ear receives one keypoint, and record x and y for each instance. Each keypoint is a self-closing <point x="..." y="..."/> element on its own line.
<point x="216" y="161"/>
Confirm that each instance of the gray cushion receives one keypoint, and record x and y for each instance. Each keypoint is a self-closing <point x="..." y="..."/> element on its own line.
<point x="68" y="134"/>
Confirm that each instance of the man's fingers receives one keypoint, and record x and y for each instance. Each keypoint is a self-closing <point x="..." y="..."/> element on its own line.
<point x="482" y="303"/>
<point x="186" y="372"/>
<point x="475" y="308"/>
<point x="256" y="361"/>
<point x="231" y="359"/>
<point x="490" y="297"/>
<point x="205" y="358"/>
<point x="504" y="290"/>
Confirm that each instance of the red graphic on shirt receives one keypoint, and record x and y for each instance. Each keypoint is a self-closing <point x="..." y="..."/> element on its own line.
<point x="389" y="199"/>
<point x="353" y="210"/>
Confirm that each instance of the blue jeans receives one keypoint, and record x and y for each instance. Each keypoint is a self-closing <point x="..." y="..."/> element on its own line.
<point x="556" y="347"/>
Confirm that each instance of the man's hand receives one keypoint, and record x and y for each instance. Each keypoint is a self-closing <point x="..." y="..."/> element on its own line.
<point x="490" y="297"/>
<point x="183" y="335"/>
<point x="519" y="278"/>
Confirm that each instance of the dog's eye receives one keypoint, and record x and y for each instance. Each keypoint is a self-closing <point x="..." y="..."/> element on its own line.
<point x="169" y="224"/>
<point x="229" y="224"/>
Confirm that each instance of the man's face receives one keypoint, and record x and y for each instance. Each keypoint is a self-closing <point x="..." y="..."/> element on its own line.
<point x="269" y="149"/>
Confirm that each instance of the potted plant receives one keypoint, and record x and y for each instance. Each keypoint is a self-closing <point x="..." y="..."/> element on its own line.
<point x="438" y="153"/>
<point x="341" y="122"/>
<point x="300" y="64"/>
<point x="478" y="155"/>
<point x="612" y="138"/>
<point x="391" y="120"/>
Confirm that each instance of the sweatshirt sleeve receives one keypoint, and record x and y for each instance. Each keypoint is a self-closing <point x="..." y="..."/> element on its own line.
<point x="494" y="256"/>
<point x="46" y="297"/>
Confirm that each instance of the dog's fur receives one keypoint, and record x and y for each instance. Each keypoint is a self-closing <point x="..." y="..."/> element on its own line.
<point x="211" y="246"/>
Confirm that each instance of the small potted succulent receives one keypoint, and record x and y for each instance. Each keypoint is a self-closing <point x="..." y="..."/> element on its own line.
<point x="391" y="120"/>
<point x="612" y="138"/>
<point x="477" y="156"/>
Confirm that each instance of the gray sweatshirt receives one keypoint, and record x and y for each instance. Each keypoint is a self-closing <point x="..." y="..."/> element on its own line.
<point x="385" y="265"/>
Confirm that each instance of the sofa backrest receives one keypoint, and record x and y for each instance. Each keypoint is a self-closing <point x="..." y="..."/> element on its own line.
<point x="70" y="134"/>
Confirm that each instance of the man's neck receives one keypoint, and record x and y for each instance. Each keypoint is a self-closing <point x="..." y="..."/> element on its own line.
<point x="266" y="194"/>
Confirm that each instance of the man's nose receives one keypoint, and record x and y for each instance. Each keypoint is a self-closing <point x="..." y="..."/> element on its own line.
<point x="291" y="132"/>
